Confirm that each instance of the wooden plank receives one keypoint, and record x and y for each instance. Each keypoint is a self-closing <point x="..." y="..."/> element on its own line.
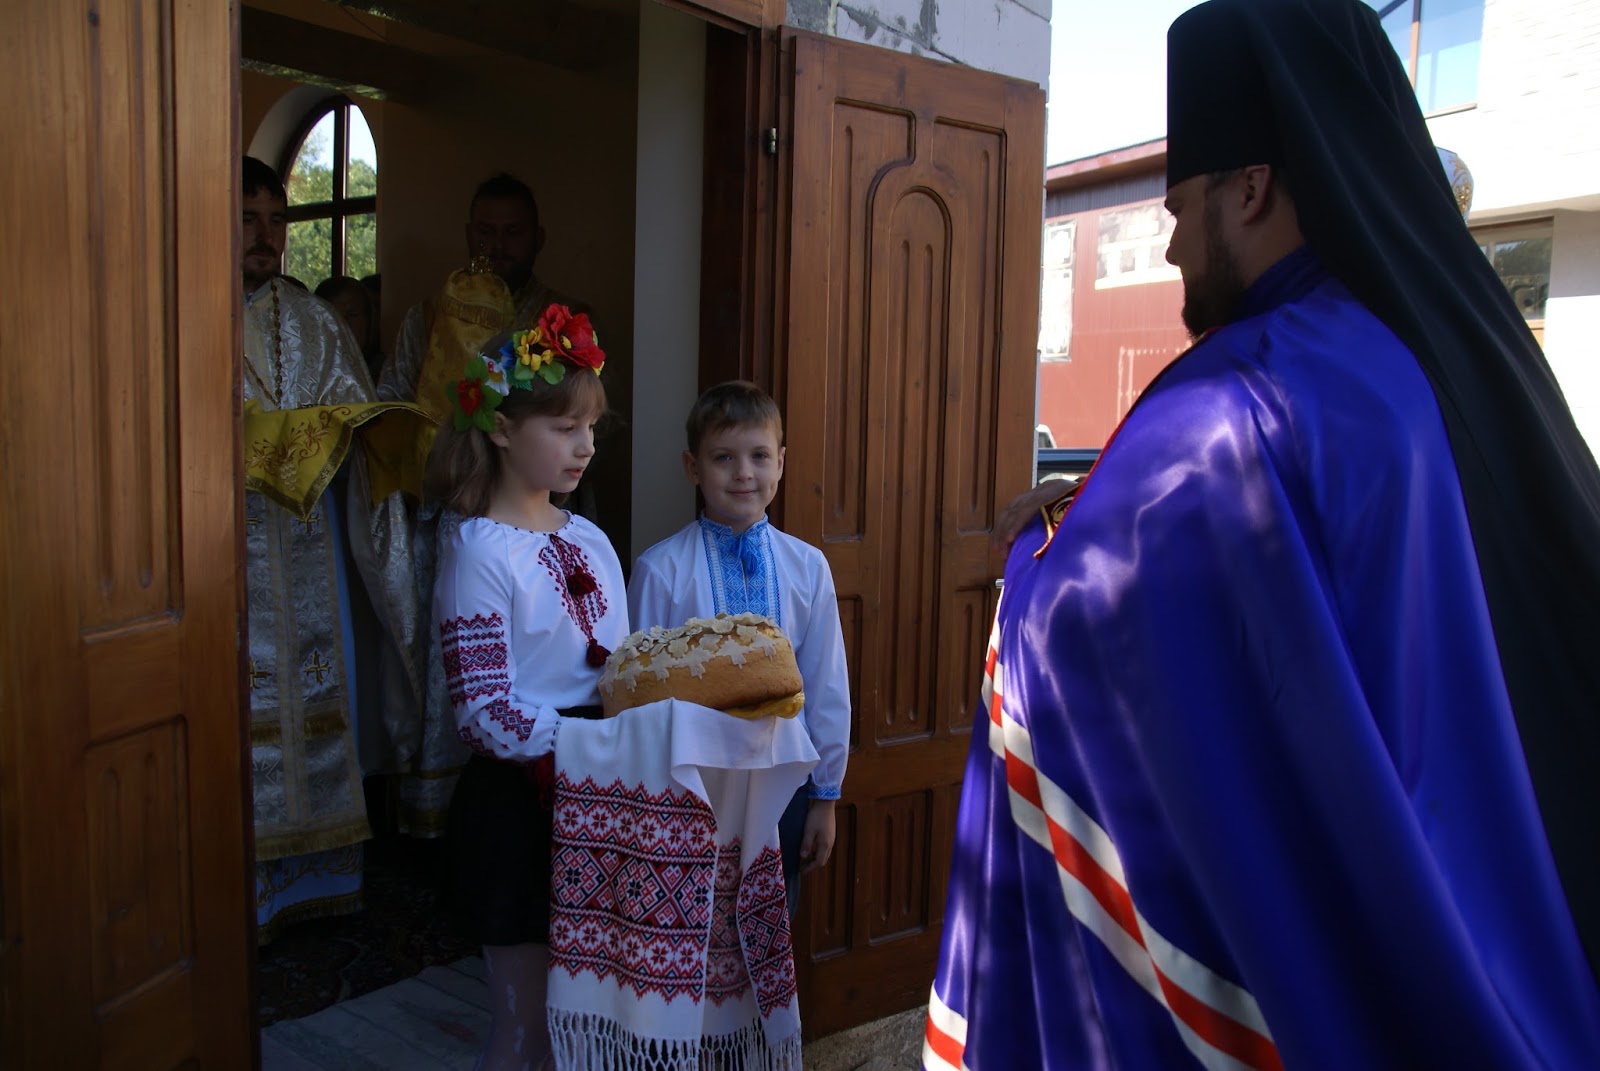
<point x="427" y="1020"/>
<point x="338" y="1038"/>
<point x="317" y="1048"/>
<point x="279" y="1056"/>
<point x="472" y="990"/>
<point x="205" y="272"/>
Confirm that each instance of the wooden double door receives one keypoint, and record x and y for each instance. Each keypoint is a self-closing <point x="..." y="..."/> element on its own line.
<point x="895" y="236"/>
<point x="906" y="367"/>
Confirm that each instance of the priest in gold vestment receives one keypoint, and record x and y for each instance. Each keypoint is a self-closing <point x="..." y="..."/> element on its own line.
<point x="316" y="545"/>
<point x="498" y="292"/>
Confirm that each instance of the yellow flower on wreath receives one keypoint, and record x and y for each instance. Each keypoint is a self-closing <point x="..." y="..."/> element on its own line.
<point x="532" y="352"/>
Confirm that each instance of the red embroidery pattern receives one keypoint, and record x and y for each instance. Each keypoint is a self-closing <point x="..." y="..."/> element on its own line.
<point x="750" y="932"/>
<point x="476" y="665"/>
<point x="631" y="886"/>
<point x="763" y="912"/>
<point x="569" y="567"/>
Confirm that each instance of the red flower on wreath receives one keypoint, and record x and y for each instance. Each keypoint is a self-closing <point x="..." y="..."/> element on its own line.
<point x="469" y="395"/>
<point x="572" y="336"/>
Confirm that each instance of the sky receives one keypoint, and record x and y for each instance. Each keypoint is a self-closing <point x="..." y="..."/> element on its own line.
<point x="1108" y="74"/>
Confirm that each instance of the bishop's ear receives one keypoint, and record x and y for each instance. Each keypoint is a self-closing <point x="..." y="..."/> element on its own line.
<point x="1257" y="185"/>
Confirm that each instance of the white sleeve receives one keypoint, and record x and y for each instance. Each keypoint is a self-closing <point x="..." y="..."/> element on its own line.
<point x="473" y="608"/>
<point x="398" y="380"/>
<point x="820" y="653"/>
<point x="649" y="598"/>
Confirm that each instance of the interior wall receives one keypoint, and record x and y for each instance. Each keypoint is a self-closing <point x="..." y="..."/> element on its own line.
<point x="568" y="134"/>
<point x="668" y="198"/>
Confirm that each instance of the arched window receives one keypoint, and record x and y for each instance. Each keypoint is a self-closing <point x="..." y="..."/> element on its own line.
<point x="332" y="180"/>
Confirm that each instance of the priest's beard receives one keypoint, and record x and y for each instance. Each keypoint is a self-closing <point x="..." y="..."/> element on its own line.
<point x="1210" y="299"/>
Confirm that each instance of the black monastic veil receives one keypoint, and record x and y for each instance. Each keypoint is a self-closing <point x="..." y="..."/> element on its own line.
<point x="1314" y="87"/>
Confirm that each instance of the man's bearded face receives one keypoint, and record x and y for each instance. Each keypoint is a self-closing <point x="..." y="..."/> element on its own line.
<point x="262" y="237"/>
<point x="504" y="230"/>
<point x="1212" y="281"/>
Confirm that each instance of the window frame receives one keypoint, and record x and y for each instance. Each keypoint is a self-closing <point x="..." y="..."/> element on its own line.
<point x="1534" y="227"/>
<point x="342" y="206"/>
<point x="1411" y="59"/>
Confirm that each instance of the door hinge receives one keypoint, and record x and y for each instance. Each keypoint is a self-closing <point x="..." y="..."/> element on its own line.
<point x="772" y="141"/>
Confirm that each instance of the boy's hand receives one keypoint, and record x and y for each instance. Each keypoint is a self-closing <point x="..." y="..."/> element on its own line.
<point x="817" y="843"/>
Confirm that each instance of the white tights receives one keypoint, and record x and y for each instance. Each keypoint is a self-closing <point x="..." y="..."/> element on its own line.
<point x="519" y="1039"/>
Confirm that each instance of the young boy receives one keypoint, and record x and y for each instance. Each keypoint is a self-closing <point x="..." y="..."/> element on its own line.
<point x="732" y="561"/>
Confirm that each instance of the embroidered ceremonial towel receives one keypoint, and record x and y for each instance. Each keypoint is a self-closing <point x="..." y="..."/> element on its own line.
<point x="669" y="932"/>
<point x="290" y="455"/>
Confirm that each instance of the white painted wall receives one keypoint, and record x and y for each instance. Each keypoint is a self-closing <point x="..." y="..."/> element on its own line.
<point x="1010" y="37"/>
<point x="1533" y="146"/>
<point x="666" y="338"/>
<point x="1572" y="318"/>
<point x="1534" y="138"/>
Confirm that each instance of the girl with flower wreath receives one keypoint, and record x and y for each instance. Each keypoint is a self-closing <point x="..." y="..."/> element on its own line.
<point x="528" y="602"/>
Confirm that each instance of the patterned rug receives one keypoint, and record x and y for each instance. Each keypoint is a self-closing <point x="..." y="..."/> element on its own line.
<point x="403" y="930"/>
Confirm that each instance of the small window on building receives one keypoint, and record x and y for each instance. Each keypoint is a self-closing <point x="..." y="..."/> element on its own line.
<point x="1438" y="43"/>
<point x="1131" y="248"/>
<point x="1055" y="294"/>
<point x="332" y="181"/>
<point x="1520" y="254"/>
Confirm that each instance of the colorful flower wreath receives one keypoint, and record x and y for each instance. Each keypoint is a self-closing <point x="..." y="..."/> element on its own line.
<point x="560" y="338"/>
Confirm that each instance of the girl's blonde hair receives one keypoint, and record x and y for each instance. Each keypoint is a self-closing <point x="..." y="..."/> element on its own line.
<point x="464" y="466"/>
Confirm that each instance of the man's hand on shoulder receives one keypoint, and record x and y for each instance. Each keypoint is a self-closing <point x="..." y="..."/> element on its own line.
<point x="1015" y="517"/>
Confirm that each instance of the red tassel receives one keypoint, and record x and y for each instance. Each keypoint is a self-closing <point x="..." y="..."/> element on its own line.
<point x="597" y="654"/>
<point x="580" y="584"/>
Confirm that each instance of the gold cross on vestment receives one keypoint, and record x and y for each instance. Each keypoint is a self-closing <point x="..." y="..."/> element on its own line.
<point x="252" y="522"/>
<point x="317" y="666"/>
<point x="256" y="675"/>
<point x="311" y="524"/>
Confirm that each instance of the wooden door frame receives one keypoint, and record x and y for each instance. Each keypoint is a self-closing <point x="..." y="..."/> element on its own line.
<point x="66" y="673"/>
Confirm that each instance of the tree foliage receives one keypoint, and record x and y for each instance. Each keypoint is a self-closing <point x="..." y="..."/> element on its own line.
<point x="309" y="256"/>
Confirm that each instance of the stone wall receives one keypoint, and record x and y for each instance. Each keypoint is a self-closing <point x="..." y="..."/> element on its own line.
<point x="1010" y="37"/>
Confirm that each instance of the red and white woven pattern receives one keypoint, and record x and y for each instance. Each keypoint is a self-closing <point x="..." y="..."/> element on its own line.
<point x="669" y="935"/>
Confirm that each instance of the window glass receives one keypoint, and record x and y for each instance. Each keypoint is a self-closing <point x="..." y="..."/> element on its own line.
<point x="1523" y="264"/>
<point x="309" y="256"/>
<point x="1447" y="53"/>
<point x="1449" y="33"/>
<point x="361" y="245"/>
<point x="1395" y="15"/>
<point x="333" y="186"/>
<point x="311" y="176"/>
<point x="1055" y="290"/>
<point x="361" y="176"/>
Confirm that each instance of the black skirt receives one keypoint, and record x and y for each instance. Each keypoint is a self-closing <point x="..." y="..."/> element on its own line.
<point x="499" y="836"/>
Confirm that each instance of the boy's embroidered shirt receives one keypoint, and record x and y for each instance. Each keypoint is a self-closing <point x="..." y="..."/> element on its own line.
<point x="675" y="580"/>
<point x="515" y="635"/>
<point x="744" y="579"/>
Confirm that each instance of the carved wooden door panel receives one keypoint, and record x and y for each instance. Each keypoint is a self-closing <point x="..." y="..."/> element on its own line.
<point x="908" y="379"/>
<point x="124" y="834"/>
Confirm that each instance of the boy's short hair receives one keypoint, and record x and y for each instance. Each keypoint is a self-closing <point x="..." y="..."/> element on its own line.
<point x="735" y="404"/>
